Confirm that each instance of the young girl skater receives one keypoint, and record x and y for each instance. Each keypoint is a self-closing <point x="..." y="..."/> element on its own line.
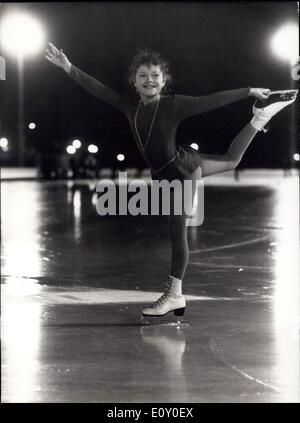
<point x="154" y="118"/>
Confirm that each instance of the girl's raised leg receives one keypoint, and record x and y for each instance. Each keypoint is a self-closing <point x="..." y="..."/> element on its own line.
<point x="263" y="110"/>
<point x="216" y="163"/>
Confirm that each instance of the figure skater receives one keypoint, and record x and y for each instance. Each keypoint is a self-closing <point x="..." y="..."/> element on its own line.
<point x="154" y="117"/>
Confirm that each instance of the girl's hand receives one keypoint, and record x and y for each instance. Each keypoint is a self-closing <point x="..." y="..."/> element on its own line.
<point x="260" y="92"/>
<point x="58" y="58"/>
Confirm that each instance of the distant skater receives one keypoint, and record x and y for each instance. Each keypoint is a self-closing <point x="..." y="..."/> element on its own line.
<point x="154" y="117"/>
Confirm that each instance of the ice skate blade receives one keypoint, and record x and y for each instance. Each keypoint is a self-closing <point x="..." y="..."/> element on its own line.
<point x="157" y="320"/>
<point x="285" y="98"/>
<point x="181" y="324"/>
<point x="284" y="91"/>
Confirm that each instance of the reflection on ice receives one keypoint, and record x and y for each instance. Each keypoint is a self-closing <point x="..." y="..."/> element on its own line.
<point x="286" y="295"/>
<point x="20" y="350"/>
<point x="20" y="231"/>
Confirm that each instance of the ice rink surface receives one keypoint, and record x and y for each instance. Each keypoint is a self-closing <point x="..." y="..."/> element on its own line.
<point x="74" y="285"/>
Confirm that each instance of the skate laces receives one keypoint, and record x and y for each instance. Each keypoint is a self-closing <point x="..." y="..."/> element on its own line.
<point x="164" y="296"/>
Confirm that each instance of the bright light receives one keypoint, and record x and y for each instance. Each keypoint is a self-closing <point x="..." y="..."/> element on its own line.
<point x="3" y="142"/>
<point x="195" y="146"/>
<point x="285" y="43"/>
<point x="76" y="143"/>
<point x="71" y="149"/>
<point x="32" y="125"/>
<point x="296" y="157"/>
<point x="92" y="148"/>
<point x="120" y="157"/>
<point x="21" y="34"/>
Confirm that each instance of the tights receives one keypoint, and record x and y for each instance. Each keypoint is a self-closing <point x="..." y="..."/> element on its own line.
<point x="180" y="246"/>
<point x="210" y="164"/>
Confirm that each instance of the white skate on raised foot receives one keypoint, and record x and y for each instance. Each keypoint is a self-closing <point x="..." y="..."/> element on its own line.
<point x="170" y="301"/>
<point x="265" y="109"/>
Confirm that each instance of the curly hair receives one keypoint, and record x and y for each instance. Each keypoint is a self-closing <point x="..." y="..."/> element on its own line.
<point x="149" y="57"/>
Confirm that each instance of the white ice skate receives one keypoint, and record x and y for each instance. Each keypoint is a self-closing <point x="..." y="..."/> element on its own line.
<point x="169" y="301"/>
<point x="265" y="109"/>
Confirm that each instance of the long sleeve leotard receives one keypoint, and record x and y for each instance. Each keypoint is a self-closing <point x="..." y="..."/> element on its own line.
<point x="160" y="150"/>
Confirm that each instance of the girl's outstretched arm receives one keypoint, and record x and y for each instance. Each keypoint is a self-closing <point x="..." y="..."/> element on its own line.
<point x="189" y="106"/>
<point x="101" y="91"/>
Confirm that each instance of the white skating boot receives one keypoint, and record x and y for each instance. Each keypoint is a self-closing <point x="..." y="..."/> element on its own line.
<point x="171" y="300"/>
<point x="265" y="109"/>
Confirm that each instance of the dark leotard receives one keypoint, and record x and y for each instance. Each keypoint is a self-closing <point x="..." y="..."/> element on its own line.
<point x="165" y="159"/>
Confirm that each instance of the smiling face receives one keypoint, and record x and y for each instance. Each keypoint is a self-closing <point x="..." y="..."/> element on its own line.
<point x="149" y="81"/>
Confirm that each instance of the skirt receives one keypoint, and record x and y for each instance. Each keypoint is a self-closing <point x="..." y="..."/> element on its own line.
<point x="181" y="168"/>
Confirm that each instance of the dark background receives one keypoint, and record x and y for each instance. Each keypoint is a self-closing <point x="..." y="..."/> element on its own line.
<point x="212" y="46"/>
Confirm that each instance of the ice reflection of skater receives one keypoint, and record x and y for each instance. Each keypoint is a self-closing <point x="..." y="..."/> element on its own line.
<point x="154" y="118"/>
<point x="171" y="346"/>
